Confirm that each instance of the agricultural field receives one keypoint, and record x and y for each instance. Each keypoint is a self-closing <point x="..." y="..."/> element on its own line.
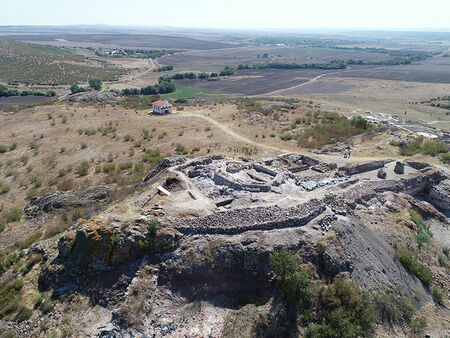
<point x="146" y="41"/>
<point x="214" y="60"/>
<point x="46" y="65"/>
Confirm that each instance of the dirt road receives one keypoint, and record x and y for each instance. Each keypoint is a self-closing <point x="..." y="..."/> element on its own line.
<point x="329" y="158"/>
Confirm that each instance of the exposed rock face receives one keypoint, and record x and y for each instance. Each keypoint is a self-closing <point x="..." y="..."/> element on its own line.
<point x="381" y="174"/>
<point x="166" y="163"/>
<point x="369" y="260"/>
<point x="440" y="195"/>
<point x="64" y="200"/>
<point x="417" y="165"/>
<point x="103" y="97"/>
<point x="399" y="168"/>
<point x="362" y="167"/>
<point x="96" y="247"/>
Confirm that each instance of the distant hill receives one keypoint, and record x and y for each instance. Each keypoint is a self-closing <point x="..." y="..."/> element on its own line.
<point x="47" y="65"/>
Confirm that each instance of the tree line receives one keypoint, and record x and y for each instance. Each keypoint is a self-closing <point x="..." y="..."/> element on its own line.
<point x="163" y="87"/>
<point x="164" y="69"/>
<point x="227" y="71"/>
<point x="337" y="64"/>
<point x="137" y="53"/>
<point x="6" y="92"/>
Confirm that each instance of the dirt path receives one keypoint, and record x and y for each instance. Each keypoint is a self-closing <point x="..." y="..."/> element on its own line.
<point x="233" y="134"/>
<point x="280" y="91"/>
<point x="329" y="158"/>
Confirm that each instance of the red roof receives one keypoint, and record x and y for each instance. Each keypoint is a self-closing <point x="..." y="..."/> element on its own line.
<point x="159" y="103"/>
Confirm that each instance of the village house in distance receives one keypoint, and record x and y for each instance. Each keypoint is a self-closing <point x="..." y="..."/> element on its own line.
<point x="162" y="107"/>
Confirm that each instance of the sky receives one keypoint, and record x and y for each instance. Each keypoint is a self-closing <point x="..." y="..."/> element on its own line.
<point x="234" y="14"/>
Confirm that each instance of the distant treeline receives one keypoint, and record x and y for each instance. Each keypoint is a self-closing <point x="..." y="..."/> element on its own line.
<point x="334" y="64"/>
<point x="137" y="53"/>
<point x="163" y="87"/>
<point x="301" y="41"/>
<point x="6" y="92"/>
<point x="407" y="56"/>
<point x="204" y="75"/>
<point x="437" y="102"/>
<point x="164" y="68"/>
<point x="337" y="64"/>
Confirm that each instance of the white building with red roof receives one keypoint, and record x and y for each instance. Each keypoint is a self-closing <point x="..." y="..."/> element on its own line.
<point x="162" y="107"/>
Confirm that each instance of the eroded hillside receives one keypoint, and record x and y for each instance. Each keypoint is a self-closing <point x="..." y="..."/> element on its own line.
<point x="194" y="252"/>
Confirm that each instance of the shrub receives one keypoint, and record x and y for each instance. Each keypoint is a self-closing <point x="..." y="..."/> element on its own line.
<point x="3" y="149"/>
<point x="143" y="244"/>
<point x="98" y="169"/>
<point x="32" y="261"/>
<point x="125" y="165"/>
<point x="4" y="189"/>
<point x="146" y="135"/>
<point x="393" y="307"/>
<point x="445" y="250"/>
<point x="138" y="168"/>
<point x="332" y="128"/>
<point x="413" y="265"/>
<point x="33" y="145"/>
<point x="153" y="227"/>
<point x="36" y="181"/>
<point x="438" y="293"/>
<point x="62" y="172"/>
<point x="153" y="156"/>
<point x="95" y="83"/>
<point x="418" y="325"/>
<point x="14" y="215"/>
<point x="442" y="261"/>
<point x="83" y="168"/>
<point x="37" y="300"/>
<point x="115" y="238"/>
<point x="13" y="147"/>
<point x="24" y="314"/>
<point x="109" y="168"/>
<point x="445" y="158"/>
<point x="180" y="149"/>
<point x="346" y="309"/>
<point x="128" y="138"/>
<point x="46" y="306"/>
<point x="24" y="159"/>
<point x="420" y="146"/>
<point x="9" y="299"/>
<point x="286" y="137"/>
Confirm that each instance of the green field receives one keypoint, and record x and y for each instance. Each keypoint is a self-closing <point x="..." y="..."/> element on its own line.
<point x="185" y="92"/>
<point x="47" y="65"/>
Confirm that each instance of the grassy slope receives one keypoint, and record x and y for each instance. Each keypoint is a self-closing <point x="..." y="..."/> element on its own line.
<point x="37" y="64"/>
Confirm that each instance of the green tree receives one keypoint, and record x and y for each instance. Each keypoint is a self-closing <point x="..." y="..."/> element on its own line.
<point x="284" y="263"/>
<point x="95" y="83"/>
<point x="297" y="288"/>
<point x="74" y="88"/>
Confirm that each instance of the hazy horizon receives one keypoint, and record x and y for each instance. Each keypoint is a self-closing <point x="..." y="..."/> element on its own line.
<point x="285" y="15"/>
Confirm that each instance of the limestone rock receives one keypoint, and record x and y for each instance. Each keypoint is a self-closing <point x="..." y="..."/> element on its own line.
<point x="65" y="200"/>
<point x="381" y="174"/>
<point x="399" y="168"/>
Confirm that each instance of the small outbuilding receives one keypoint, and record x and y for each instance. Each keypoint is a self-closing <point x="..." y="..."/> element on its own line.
<point x="162" y="107"/>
